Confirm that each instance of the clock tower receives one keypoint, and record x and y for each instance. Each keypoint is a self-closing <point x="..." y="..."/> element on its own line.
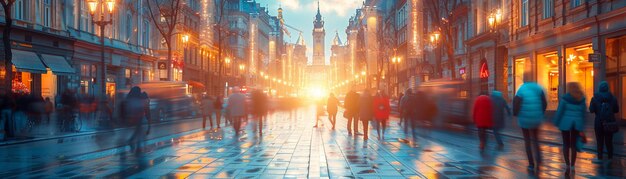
<point x="318" y="39"/>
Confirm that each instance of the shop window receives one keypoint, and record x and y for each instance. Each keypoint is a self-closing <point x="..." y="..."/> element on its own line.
<point x="519" y="71"/>
<point x="548" y="77"/>
<point x="579" y="69"/>
<point x="127" y="73"/>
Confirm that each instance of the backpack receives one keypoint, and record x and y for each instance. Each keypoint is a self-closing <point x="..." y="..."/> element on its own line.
<point x="134" y="109"/>
<point x="608" y="117"/>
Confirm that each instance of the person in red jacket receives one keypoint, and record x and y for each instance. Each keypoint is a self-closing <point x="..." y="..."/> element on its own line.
<point x="483" y="117"/>
<point x="382" y="110"/>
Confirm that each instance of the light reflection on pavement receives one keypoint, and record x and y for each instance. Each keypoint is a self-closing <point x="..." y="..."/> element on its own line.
<point x="291" y="148"/>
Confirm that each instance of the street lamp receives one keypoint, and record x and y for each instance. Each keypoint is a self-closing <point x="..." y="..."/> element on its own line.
<point x="396" y="61"/>
<point x="100" y="6"/>
<point x="493" y="19"/>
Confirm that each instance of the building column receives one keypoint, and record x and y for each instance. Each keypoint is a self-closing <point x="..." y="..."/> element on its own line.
<point x="599" y="68"/>
<point x="562" y="69"/>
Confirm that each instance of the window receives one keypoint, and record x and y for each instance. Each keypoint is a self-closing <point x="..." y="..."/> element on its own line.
<point x="146" y="34"/>
<point x="548" y="8"/>
<point x="47" y="13"/>
<point x="129" y="25"/>
<point x="524" y="13"/>
<point x="18" y="12"/>
<point x="84" y="17"/>
<point x="576" y="3"/>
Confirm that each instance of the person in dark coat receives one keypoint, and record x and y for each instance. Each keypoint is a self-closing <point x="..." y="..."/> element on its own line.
<point x="352" y="111"/>
<point x="406" y="108"/>
<point x="366" y="111"/>
<point x="603" y="138"/>
<point x="259" y="108"/>
<point x="331" y="108"/>
<point x="501" y="111"/>
<point x="483" y="117"/>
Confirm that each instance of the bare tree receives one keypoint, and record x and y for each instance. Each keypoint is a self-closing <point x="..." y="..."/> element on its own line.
<point x="441" y="16"/>
<point x="220" y="26"/>
<point x="164" y="14"/>
<point x="6" y="42"/>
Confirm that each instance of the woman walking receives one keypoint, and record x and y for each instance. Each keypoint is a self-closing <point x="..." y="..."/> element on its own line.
<point x="570" y="119"/>
<point x="605" y="106"/>
<point x="331" y="107"/>
<point x="381" y="114"/>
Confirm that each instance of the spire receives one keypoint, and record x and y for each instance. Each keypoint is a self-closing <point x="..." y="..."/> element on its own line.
<point x="300" y="40"/>
<point x="318" y="17"/>
<point x="337" y="40"/>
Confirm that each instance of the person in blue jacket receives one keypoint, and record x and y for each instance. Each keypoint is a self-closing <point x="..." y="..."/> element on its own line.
<point x="529" y="105"/>
<point x="570" y="119"/>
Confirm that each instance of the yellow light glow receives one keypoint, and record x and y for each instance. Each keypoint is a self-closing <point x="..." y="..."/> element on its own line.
<point x="93" y="6"/>
<point x="110" y="5"/>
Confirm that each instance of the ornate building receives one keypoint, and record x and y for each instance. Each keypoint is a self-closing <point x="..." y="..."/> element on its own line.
<point x="317" y="69"/>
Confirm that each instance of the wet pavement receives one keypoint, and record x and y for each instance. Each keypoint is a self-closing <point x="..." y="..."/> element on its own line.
<point x="289" y="148"/>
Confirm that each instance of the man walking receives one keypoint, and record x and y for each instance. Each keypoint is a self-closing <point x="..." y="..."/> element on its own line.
<point x="366" y="111"/>
<point x="352" y="111"/>
<point x="236" y="108"/>
<point x="529" y="105"/>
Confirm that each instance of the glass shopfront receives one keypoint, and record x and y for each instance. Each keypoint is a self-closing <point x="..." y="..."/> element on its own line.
<point x="548" y="77"/>
<point x="616" y="70"/>
<point x="579" y="69"/>
<point x="522" y="66"/>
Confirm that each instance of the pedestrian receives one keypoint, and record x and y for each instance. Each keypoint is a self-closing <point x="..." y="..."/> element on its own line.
<point x="236" y="108"/>
<point x="400" y="109"/>
<point x="351" y="105"/>
<point x="207" y="110"/>
<point x="483" y="117"/>
<point x="259" y="108"/>
<point x="49" y="107"/>
<point x="217" y="107"/>
<point x="7" y="105"/>
<point x="529" y="105"/>
<point x="319" y="111"/>
<point x="405" y="109"/>
<point x="134" y="105"/>
<point x="366" y="111"/>
<point x="604" y="105"/>
<point x="500" y="107"/>
<point x="331" y="107"/>
<point x="382" y="109"/>
<point x="570" y="119"/>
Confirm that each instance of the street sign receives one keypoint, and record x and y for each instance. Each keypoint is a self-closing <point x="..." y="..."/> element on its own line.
<point x="162" y="65"/>
<point x="595" y="58"/>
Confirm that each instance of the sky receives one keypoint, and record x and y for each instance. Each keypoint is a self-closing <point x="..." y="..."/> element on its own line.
<point x="301" y="13"/>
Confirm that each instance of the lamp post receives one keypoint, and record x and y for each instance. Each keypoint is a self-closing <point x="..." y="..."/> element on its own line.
<point x="242" y="72"/>
<point x="493" y="19"/>
<point x="396" y="61"/>
<point x="434" y="40"/>
<point x="101" y="6"/>
<point x="185" y="39"/>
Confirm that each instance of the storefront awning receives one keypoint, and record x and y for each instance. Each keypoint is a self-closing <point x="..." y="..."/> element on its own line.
<point x="57" y="64"/>
<point x="27" y="62"/>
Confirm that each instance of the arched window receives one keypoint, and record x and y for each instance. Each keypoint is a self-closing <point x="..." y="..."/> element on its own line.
<point x="129" y="26"/>
<point x="146" y="34"/>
